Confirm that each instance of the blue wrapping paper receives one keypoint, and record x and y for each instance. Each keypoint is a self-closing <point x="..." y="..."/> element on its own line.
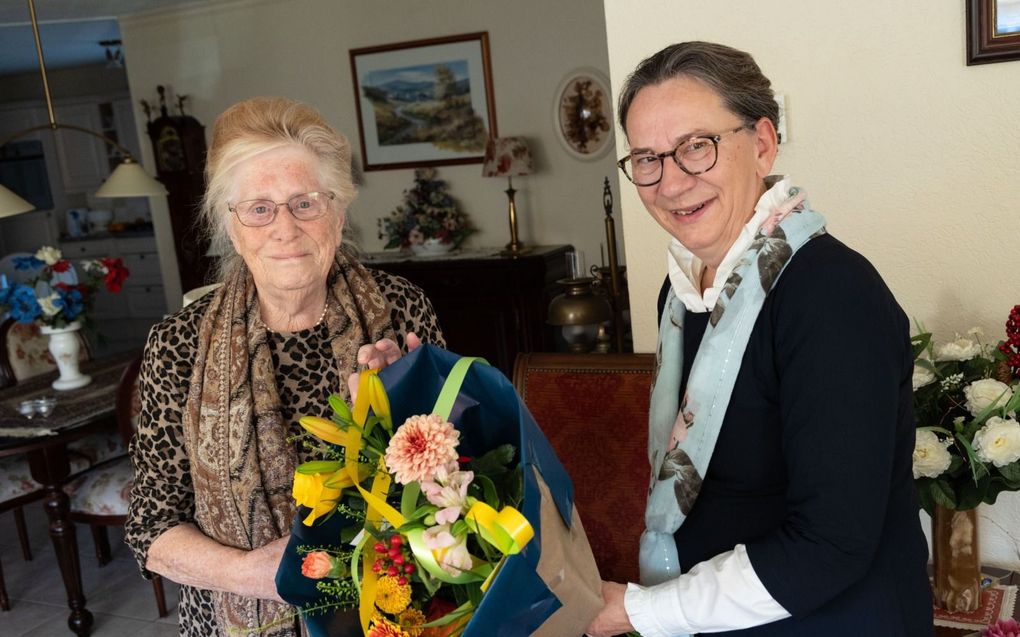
<point x="488" y="412"/>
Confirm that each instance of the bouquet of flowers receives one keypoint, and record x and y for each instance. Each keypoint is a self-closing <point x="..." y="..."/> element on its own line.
<point x="428" y="212"/>
<point x="967" y="405"/>
<point x="434" y="528"/>
<point x="56" y="296"/>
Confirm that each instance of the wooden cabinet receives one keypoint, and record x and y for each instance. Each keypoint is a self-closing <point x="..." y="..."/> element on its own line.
<point x="488" y="305"/>
<point x="122" y="320"/>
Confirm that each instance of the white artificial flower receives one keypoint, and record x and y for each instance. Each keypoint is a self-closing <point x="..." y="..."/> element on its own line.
<point x="49" y="304"/>
<point x="975" y="332"/>
<point x="982" y="393"/>
<point x="998" y="441"/>
<point x="48" y="255"/>
<point x="922" y="376"/>
<point x="931" y="458"/>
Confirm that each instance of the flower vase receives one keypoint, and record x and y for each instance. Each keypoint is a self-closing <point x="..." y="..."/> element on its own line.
<point x="956" y="561"/>
<point x="431" y="248"/>
<point x="65" y="346"/>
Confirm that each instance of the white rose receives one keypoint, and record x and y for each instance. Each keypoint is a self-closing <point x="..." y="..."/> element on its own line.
<point x="931" y="457"/>
<point x="998" y="441"/>
<point x="48" y="255"/>
<point x="982" y="393"/>
<point x="922" y="376"/>
<point x="962" y="349"/>
<point x="49" y="304"/>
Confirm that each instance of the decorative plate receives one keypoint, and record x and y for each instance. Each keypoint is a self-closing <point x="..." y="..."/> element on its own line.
<point x="583" y="114"/>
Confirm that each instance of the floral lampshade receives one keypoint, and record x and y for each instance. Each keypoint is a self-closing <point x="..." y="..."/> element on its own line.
<point x="507" y="157"/>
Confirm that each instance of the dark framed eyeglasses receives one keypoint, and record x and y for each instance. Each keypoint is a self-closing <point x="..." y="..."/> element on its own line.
<point x="694" y="156"/>
<point x="261" y="212"/>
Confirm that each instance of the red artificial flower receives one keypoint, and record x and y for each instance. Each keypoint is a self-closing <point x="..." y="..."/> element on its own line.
<point x="61" y="266"/>
<point x="437" y="608"/>
<point x="116" y="273"/>
<point x="1002" y="628"/>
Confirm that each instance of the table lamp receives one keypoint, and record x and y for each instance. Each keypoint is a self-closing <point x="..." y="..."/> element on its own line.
<point x="509" y="157"/>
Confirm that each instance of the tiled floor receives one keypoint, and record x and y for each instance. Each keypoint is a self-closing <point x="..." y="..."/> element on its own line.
<point x="121" y="602"/>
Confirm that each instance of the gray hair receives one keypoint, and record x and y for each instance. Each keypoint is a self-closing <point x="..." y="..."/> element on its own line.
<point x="252" y="127"/>
<point x="731" y="73"/>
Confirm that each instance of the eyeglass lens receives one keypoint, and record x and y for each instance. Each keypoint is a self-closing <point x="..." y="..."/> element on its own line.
<point x="304" y="207"/>
<point x="694" y="156"/>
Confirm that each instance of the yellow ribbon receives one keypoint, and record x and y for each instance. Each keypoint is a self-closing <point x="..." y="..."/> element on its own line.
<point x="507" y="530"/>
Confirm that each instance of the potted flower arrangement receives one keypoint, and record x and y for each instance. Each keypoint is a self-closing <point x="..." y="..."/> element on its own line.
<point x="428" y="221"/>
<point x="56" y="298"/>
<point x="967" y="449"/>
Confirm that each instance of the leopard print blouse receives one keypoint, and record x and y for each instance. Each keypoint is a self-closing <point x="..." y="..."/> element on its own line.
<point x="306" y="375"/>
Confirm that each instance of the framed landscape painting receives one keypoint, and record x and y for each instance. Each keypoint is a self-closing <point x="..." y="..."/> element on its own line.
<point x="424" y="103"/>
<point x="993" y="31"/>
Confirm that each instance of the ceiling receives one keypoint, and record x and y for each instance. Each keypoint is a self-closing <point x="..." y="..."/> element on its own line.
<point x="70" y="30"/>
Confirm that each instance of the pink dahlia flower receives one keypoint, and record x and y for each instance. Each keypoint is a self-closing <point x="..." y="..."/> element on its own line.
<point x="1002" y="628"/>
<point x="420" y="447"/>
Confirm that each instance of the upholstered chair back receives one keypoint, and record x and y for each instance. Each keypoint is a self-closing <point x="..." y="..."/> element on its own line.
<point x="593" y="408"/>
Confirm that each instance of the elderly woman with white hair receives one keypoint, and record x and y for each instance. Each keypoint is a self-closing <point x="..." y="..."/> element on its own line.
<point x="225" y="379"/>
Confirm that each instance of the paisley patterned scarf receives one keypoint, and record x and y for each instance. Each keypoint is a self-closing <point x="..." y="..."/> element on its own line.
<point x="681" y="437"/>
<point x="241" y="463"/>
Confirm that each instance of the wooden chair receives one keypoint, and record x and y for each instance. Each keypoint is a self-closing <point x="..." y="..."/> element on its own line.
<point x="100" y="496"/>
<point x="593" y="408"/>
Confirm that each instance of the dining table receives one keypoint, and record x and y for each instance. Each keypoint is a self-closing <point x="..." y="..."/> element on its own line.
<point x="44" y="440"/>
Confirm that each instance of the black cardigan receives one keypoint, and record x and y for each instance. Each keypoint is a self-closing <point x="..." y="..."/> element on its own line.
<point x="812" y="468"/>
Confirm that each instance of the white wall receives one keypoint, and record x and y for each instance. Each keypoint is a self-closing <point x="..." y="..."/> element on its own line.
<point x="218" y="54"/>
<point x="913" y="156"/>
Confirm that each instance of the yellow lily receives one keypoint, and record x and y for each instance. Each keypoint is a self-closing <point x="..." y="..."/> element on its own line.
<point x="324" y="429"/>
<point x="319" y="491"/>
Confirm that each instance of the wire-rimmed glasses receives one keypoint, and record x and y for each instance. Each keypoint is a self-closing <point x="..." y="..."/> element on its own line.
<point x="261" y="212"/>
<point x="694" y="156"/>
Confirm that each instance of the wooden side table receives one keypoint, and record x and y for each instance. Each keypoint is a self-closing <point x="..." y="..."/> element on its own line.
<point x="488" y="305"/>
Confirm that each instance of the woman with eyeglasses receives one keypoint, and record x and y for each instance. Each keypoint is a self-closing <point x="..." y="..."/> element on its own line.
<point x="225" y="379"/>
<point x="781" y="498"/>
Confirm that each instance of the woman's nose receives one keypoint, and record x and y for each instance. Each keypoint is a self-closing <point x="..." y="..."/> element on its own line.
<point x="674" y="180"/>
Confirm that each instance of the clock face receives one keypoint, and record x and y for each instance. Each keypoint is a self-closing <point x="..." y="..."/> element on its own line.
<point x="584" y="117"/>
<point x="170" y="151"/>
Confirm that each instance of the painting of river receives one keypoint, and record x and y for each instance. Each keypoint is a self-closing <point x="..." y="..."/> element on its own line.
<point x="427" y="102"/>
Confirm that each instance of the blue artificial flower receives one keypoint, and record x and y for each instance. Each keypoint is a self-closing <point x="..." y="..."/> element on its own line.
<point x="28" y="263"/>
<point x="72" y="302"/>
<point x="24" y="306"/>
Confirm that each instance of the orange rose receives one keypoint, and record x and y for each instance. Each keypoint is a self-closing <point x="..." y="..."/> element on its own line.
<point x="316" y="565"/>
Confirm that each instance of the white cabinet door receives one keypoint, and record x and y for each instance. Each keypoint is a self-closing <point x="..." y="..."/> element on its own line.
<point x="124" y="120"/>
<point x="83" y="163"/>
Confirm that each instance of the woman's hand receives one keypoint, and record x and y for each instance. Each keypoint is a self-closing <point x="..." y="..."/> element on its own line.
<point x="612" y="619"/>
<point x="378" y="355"/>
<point x="260" y="566"/>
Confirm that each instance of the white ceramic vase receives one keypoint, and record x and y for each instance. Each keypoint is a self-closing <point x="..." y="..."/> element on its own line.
<point x="65" y="347"/>
<point x="430" y="248"/>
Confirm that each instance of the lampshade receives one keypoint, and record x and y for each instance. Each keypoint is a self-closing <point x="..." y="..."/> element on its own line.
<point x="130" y="180"/>
<point x="507" y="157"/>
<point x="11" y="204"/>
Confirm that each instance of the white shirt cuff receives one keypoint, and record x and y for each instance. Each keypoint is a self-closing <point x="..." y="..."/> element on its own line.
<point x="723" y="593"/>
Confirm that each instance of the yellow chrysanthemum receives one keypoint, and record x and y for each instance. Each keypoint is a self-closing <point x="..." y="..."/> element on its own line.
<point x="384" y="628"/>
<point x="410" y="620"/>
<point x="391" y="596"/>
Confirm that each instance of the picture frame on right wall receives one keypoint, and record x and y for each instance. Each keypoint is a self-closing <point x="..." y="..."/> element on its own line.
<point x="583" y="114"/>
<point x="993" y="31"/>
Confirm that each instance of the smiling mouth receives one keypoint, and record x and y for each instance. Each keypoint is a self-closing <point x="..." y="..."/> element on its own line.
<point x="686" y="212"/>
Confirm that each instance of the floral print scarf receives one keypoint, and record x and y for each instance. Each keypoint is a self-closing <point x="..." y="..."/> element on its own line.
<point x="682" y="436"/>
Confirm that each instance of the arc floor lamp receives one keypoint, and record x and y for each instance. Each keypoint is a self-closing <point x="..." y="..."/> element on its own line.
<point x="127" y="180"/>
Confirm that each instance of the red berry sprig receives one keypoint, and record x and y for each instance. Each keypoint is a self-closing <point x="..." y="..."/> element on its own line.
<point x="394" y="560"/>
<point x="1011" y="346"/>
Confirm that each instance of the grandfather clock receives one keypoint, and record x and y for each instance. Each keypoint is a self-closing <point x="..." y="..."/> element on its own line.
<point x="178" y="144"/>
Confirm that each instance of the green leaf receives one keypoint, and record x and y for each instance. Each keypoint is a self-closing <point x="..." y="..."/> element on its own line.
<point x="942" y="494"/>
<point x="1014" y="403"/>
<point x="924" y="494"/>
<point x="494" y="462"/>
<point x="920" y="342"/>
<point x="977" y="468"/>
<point x="489" y="494"/>
<point x="1011" y="472"/>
